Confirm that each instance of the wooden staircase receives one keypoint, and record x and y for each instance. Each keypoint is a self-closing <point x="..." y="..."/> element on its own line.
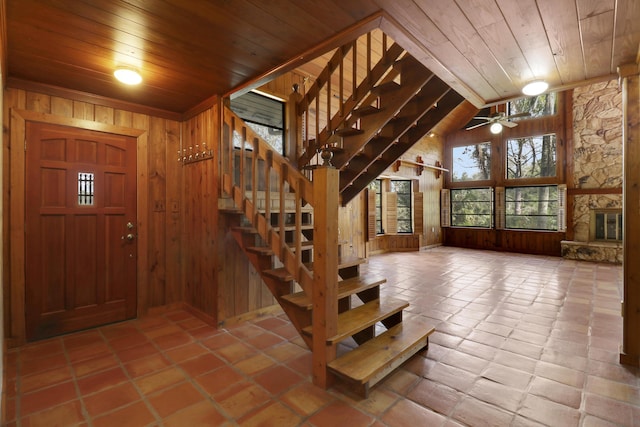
<point x="398" y="103"/>
<point x="286" y="222"/>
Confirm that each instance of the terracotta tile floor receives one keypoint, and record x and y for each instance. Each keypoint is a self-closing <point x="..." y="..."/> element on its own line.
<point x="521" y="341"/>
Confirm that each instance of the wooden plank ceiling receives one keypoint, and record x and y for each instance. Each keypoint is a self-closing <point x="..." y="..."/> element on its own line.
<point x="188" y="51"/>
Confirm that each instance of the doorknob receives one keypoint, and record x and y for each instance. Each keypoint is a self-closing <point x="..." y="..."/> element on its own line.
<point x="129" y="237"/>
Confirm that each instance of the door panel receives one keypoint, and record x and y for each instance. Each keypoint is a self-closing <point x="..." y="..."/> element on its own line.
<point x="81" y="195"/>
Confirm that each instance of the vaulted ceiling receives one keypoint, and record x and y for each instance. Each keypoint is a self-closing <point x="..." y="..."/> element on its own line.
<point x="190" y="50"/>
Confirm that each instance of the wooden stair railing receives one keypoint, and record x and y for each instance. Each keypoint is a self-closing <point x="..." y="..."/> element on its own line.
<point x="388" y="110"/>
<point x="340" y="116"/>
<point x="273" y="208"/>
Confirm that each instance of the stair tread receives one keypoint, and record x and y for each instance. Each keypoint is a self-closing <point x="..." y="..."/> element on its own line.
<point x="377" y="355"/>
<point x="355" y="320"/>
<point x="307" y="244"/>
<point x="346" y="288"/>
<point x="366" y="110"/>
<point x="348" y="132"/>
<point x="279" y="274"/>
<point x="245" y="229"/>
<point x="231" y="211"/>
<point x="262" y="250"/>
<point x="282" y="273"/>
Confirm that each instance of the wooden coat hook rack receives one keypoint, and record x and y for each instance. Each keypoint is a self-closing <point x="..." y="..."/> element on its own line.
<point x="420" y="165"/>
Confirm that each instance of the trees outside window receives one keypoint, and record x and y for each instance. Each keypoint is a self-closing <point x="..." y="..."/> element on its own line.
<point x="531" y="157"/>
<point x="524" y="179"/>
<point x="403" y="205"/>
<point x="472" y="207"/>
<point x="532" y="207"/>
<point x="471" y="162"/>
<point x="537" y="106"/>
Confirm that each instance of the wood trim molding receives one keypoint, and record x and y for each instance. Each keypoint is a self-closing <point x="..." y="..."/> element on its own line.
<point x="18" y="121"/>
<point x="92" y="98"/>
<point x="587" y="191"/>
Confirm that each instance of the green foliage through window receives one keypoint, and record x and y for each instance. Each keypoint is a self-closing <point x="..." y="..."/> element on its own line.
<point x="532" y="208"/>
<point x="531" y="157"/>
<point x="472" y="162"/>
<point x="404" y="216"/>
<point x="472" y="207"/>
<point x="536" y="106"/>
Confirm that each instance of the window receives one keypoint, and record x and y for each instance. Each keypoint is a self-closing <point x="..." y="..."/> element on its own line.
<point x="404" y="213"/>
<point x="536" y="106"/>
<point x="531" y="157"/>
<point x="471" y="162"/>
<point x="471" y="207"/>
<point x="85" y="189"/>
<point x="376" y="186"/>
<point x="608" y="225"/>
<point x="265" y="115"/>
<point x="531" y="208"/>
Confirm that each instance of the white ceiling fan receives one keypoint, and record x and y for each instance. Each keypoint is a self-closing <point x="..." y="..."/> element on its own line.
<point x="498" y="120"/>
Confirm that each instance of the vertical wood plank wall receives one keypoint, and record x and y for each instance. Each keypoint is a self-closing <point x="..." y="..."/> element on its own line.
<point x="219" y="280"/>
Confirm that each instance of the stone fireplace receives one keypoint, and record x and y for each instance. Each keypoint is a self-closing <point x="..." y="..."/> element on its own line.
<point x="596" y="173"/>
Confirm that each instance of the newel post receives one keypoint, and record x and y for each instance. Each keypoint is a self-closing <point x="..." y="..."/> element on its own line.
<point x="325" y="270"/>
<point x="630" y="81"/>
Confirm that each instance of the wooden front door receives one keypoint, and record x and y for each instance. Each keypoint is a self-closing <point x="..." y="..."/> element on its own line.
<point x="80" y="229"/>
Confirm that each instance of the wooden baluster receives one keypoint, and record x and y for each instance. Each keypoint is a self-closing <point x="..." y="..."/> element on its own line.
<point x="281" y="223"/>
<point x="328" y="103"/>
<point x="325" y="271"/>
<point x="254" y="179"/>
<point x="268" y="163"/>
<point x="298" y="233"/>
<point x="243" y="187"/>
<point x="294" y="146"/>
<point x="368" y="56"/>
<point x="341" y="86"/>
<point x="354" y="69"/>
<point x="317" y="129"/>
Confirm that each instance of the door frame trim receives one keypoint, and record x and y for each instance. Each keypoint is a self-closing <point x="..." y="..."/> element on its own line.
<point x="18" y="123"/>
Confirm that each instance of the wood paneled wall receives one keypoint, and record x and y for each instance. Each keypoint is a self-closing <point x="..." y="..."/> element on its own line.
<point x="521" y="241"/>
<point x="160" y="198"/>
<point x="219" y="280"/>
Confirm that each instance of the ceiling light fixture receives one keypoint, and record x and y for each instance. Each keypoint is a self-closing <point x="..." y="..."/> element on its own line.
<point x="127" y="76"/>
<point x="495" y="128"/>
<point x="535" y="87"/>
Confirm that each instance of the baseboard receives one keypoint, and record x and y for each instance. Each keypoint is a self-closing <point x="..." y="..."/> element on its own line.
<point x="206" y="318"/>
<point x="271" y="310"/>
<point x="630" y="359"/>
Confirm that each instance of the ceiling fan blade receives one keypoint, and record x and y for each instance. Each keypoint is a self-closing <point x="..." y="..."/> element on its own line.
<point x="477" y="126"/>
<point x="507" y="123"/>
<point x="482" y="118"/>
<point x="523" y="114"/>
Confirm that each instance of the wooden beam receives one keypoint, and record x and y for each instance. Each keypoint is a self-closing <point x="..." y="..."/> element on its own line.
<point x="630" y="353"/>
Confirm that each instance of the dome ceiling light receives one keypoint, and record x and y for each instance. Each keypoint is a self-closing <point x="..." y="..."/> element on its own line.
<point x="127" y="76"/>
<point x="535" y="87"/>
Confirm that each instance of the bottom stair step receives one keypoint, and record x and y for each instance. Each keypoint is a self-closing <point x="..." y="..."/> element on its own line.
<point x="369" y="363"/>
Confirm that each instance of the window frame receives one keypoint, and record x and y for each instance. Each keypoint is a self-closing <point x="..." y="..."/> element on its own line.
<point x="491" y="202"/>
<point x="398" y="206"/>
<point x="553" y="215"/>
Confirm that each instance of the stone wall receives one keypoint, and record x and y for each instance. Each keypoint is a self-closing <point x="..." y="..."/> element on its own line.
<point x="596" y="164"/>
